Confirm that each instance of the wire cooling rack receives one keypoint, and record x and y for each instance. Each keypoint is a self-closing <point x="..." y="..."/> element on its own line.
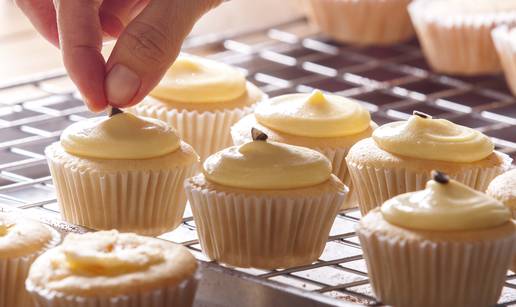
<point x="390" y="81"/>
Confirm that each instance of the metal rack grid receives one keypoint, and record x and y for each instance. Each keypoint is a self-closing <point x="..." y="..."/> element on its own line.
<point x="389" y="81"/>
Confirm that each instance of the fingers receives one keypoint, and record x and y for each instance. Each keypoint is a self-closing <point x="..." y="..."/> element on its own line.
<point x="148" y="46"/>
<point x="80" y="38"/>
<point x="42" y="15"/>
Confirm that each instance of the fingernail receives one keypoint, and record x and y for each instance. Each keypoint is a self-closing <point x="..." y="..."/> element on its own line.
<point x="121" y="85"/>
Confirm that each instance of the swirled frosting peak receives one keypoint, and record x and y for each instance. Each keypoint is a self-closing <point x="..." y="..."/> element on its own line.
<point x="110" y="253"/>
<point x="121" y="136"/>
<point x="423" y="137"/>
<point x="313" y="115"/>
<point x="267" y="165"/>
<point x="194" y="79"/>
<point x="4" y="227"/>
<point x="445" y="206"/>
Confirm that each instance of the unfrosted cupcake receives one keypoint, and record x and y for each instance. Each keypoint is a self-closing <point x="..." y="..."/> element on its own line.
<point x="265" y="204"/>
<point x="456" y="34"/>
<point x="124" y="172"/>
<point x="111" y="269"/>
<point x="363" y="22"/>
<point x="399" y="157"/>
<point x="21" y="241"/>
<point x="503" y="188"/>
<point x="447" y="245"/>
<point x="201" y="98"/>
<point x="328" y="123"/>
<point x="504" y="38"/>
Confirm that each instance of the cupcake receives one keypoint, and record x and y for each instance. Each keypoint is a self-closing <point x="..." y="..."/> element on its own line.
<point x="503" y="38"/>
<point x="121" y="172"/>
<point x="111" y="269"/>
<point x="327" y="123"/>
<point x="264" y="204"/>
<point x="201" y="98"/>
<point x="363" y="22"/>
<point x="456" y="34"/>
<point x="447" y="245"/>
<point x="21" y="241"/>
<point x="400" y="156"/>
<point x="503" y="188"/>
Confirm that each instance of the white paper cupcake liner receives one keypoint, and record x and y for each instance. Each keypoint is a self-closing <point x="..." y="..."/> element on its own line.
<point x="181" y="295"/>
<point x="14" y="271"/>
<point x="426" y="273"/>
<point x="506" y="49"/>
<point x="262" y="231"/>
<point x="373" y="186"/>
<point x="145" y="202"/>
<point x="363" y="22"/>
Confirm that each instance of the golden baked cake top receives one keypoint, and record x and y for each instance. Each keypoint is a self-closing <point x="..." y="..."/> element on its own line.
<point x="503" y="188"/>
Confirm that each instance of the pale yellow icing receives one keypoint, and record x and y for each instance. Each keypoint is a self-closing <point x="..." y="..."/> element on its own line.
<point x="110" y="253"/>
<point x="433" y="139"/>
<point x="313" y="115"/>
<point x="267" y="165"/>
<point x="20" y="236"/>
<point x="444" y="207"/>
<point x="194" y="79"/>
<point x="4" y="227"/>
<point x="122" y="136"/>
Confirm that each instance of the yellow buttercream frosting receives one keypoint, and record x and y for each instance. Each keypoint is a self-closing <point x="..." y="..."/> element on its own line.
<point x="433" y="139"/>
<point x="122" y="136"/>
<point x="267" y="165"/>
<point x="444" y="207"/>
<point x="194" y="79"/>
<point x="313" y="115"/>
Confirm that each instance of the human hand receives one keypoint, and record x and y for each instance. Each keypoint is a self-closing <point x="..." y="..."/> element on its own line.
<point x="149" y="32"/>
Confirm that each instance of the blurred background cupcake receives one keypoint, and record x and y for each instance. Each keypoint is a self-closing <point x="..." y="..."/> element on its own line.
<point x="504" y="38"/>
<point x="202" y="99"/>
<point x="363" y="22"/>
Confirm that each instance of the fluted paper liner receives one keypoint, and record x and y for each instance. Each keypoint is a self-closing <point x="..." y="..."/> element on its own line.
<point x="406" y="273"/>
<point x="14" y="271"/>
<point x="375" y="185"/>
<point x="507" y="54"/>
<point x="262" y="231"/>
<point x="181" y="295"/>
<point x="363" y="22"/>
<point x="147" y="202"/>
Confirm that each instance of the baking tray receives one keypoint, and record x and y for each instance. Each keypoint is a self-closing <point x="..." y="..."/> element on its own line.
<point x="390" y="81"/>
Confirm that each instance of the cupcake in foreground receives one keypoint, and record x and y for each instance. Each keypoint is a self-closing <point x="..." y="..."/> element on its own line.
<point x="503" y="38"/>
<point x="328" y="123"/>
<point x="400" y="156"/>
<point x="201" y="98"/>
<point x="264" y="204"/>
<point x="448" y="245"/>
<point x="363" y="22"/>
<point x="21" y="241"/>
<point x="123" y="171"/>
<point x="456" y="34"/>
<point x="111" y="269"/>
<point x="503" y="188"/>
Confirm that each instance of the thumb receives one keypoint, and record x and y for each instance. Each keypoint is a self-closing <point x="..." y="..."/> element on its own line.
<point x="148" y="46"/>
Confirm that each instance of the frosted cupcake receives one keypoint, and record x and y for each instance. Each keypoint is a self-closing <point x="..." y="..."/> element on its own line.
<point x="21" y="241"/>
<point x="111" y="269"/>
<point x="363" y="22"/>
<point x="399" y="157"/>
<point x="447" y="245"/>
<point x="328" y="123"/>
<point x="503" y="188"/>
<point x="265" y="204"/>
<point x="456" y="34"/>
<point x="124" y="172"/>
<point x="201" y="98"/>
<point x="503" y="38"/>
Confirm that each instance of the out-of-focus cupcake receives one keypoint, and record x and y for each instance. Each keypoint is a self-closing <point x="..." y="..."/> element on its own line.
<point x="202" y="99"/>
<point x="503" y="188"/>
<point x="400" y="156"/>
<point x="328" y="123"/>
<point x="111" y="269"/>
<point x="447" y="245"/>
<point x="21" y="241"/>
<point x="363" y="22"/>
<point x="504" y="38"/>
<point x="265" y="204"/>
<point x="124" y="172"/>
<point x="456" y="34"/>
